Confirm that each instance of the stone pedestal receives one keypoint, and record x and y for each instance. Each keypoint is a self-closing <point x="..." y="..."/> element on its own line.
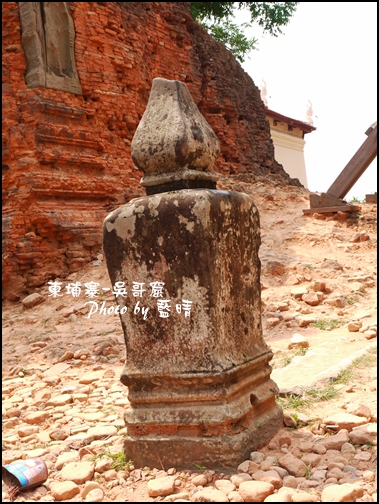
<point x="197" y="366"/>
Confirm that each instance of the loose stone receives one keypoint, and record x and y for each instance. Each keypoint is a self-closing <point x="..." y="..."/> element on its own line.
<point x="95" y="495"/>
<point x="209" y="495"/>
<point x="64" y="490"/>
<point x="255" y="491"/>
<point x="341" y="493"/>
<point x="78" y="472"/>
<point x="161" y="486"/>
<point x="293" y="465"/>
<point x="199" y="480"/>
<point x="237" y="479"/>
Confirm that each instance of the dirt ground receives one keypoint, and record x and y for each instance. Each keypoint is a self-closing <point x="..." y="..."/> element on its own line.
<point x="337" y="250"/>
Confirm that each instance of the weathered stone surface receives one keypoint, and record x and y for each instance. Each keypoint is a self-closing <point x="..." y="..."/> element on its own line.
<point x="93" y="132"/>
<point x="140" y="231"/>
<point x="78" y="472"/>
<point x="257" y="457"/>
<point x="237" y="479"/>
<point x="298" y="340"/>
<point x="26" y="430"/>
<point x="271" y="477"/>
<point x="332" y="442"/>
<point x="199" y="480"/>
<point x="59" y="400"/>
<point x="48" y="35"/>
<point x="64" y="490"/>
<point x="65" y="458"/>
<point x="255" y="491"/>
<point x="311" y="459"/>
<point x="235" y="497"/>
<point x="359" y="410"/>
<point x="89" y="486"/>
<point x="278" y="498"/>
<point x="311" y="298"/>
<point x="225" y="486"/>
<point x="341" y="493"/>
<point x="36" y="417"/>
<point x="102" y="431"/>
<point x="209" y="495"/>
<point x="345" y="420"/>
<point x="32" y="300"/>
<point x="304" y="497"/>
<point x="173" y="134"/>
<point x="293" y="465"/>
<point x="354" y="326"/>
<point x="298" y="292"/>
<point x="364" y="434"/>
<point x="161" y="486"/>
<point x="95" y="495"/>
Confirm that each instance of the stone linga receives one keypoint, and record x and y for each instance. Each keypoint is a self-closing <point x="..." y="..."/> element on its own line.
<point x="197" y="366"/>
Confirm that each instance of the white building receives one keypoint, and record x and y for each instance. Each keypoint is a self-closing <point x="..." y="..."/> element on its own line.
<point x="288" y="137"/>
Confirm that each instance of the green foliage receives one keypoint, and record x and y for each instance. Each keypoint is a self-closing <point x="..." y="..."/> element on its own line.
<point x="282" y="360"/>
<point x="216" y="18"/>
<point x="354" y="199"/>
<point x="351" y="373"/>
<point x="307" y="473"/>
<point x="326" y="325"/>
<point x="352" y="299"/>
<point x="202" y="468"/>
<point x="119" y="459"/>
<point x="309" y="397"/>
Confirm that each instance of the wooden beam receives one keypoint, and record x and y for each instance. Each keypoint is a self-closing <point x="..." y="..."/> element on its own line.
<point x="356" y="166"/>
<point x="335" y="209"/>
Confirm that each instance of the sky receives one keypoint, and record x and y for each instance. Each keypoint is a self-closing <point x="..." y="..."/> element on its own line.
<point x="327" y="54"/>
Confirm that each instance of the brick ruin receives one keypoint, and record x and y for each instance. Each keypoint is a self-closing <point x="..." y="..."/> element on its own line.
<point x="66" y="156"/>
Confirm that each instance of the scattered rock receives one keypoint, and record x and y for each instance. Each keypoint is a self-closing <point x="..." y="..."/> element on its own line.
<point x="65" y="458"/>
<point x="255" y="491"/>
<point x="341" y="493"/>
<point x="289" y="421"/>
<point x="64" y="490"/>
<point x="78" y="472"/>
<point x="345" y="421"/>
<point x="359" y="410"/>
<point x="59" y="400"/>
<point x="365" y="434"/>
<point x="312" y="298"/>
<point x="199" y="480"/>
<point x="237" y="479"/>
<point x="36" y="417"/>
<point x="257" y="457"/>
<point x="225" y="486"/>
<point x="271" y="477"/>
<point x="32" y="300"/>
<point x="26" y="430"/>
<point x="293" y="465"/>
<point x="298" y="340"/>
<point x="333" y="442"/>
<point x="89" y="486"/>
<point x="209" y="495"/>
<point x="161" y="486"/>
<point x="298" y="292"/>
<point x="354" y="326"/>
<point x="102" y="431"/>
<point x="97" y="494"/>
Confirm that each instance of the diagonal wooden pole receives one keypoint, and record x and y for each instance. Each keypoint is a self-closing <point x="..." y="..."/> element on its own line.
<point x="356" y="166"/>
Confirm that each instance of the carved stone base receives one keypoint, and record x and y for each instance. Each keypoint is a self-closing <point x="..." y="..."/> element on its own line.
<point x="214" y="452"/>
<point x="212" y="420"/>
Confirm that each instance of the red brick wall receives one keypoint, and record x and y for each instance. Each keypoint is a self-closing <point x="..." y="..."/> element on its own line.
<point x="66" y="158"/>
